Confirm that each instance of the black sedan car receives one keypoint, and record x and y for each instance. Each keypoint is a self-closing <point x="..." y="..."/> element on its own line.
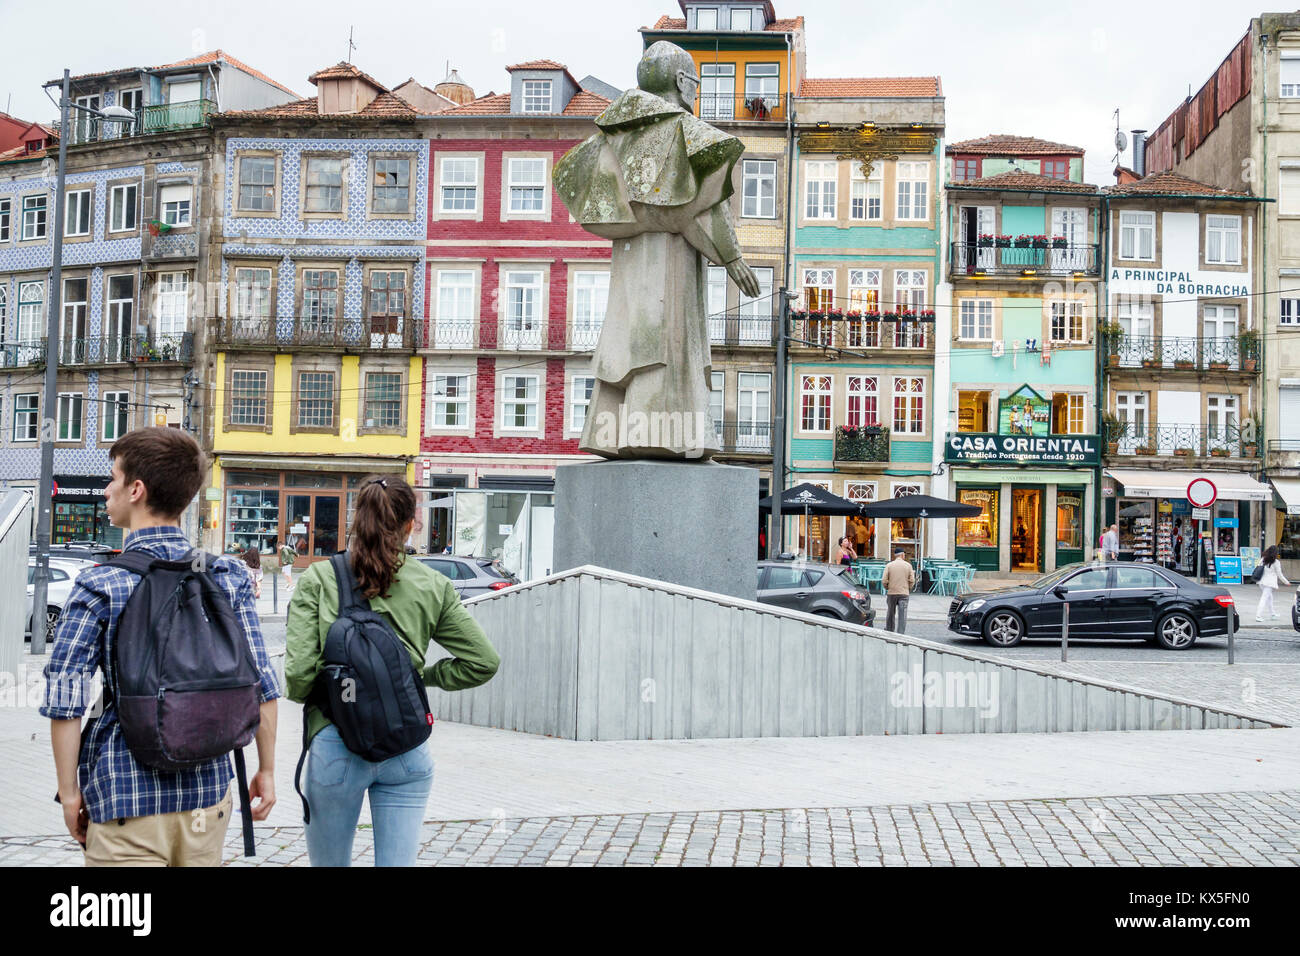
<point x="1117" y="600"/>
<point x="825" y="589"/>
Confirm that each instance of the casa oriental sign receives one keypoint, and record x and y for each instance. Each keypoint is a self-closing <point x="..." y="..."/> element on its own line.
<point x="1061" y="451"/>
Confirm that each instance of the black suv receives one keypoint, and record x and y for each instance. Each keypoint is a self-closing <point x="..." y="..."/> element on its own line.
<point x="825" y="589"/>
<point x="470" y="576"/>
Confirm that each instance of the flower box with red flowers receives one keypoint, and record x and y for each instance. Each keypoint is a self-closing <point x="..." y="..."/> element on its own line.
<point x="1002" y="242"/>
<point x="1060" y="242"/>
<point x="986" y="240"/>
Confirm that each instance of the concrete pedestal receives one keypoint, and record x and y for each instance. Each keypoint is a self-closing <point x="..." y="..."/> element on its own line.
<point x="688" y="523"/>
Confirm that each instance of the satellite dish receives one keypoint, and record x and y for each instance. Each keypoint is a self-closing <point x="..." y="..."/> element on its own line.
<point x="1121" y="141"/>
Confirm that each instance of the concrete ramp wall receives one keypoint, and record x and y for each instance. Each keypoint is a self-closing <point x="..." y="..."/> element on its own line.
<point x="593" y="654"/>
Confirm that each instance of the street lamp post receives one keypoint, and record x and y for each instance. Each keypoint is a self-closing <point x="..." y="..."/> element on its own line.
<point x="49" y="412"/>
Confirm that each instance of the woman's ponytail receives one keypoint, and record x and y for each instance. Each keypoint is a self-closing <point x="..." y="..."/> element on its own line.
<point x="384" y="506"/>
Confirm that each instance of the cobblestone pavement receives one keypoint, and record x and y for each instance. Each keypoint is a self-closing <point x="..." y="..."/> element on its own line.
<point x="1222" y="829"/>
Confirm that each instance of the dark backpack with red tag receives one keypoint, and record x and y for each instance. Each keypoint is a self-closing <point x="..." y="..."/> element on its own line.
<point x="367" y="686"/>
<point x="185" y="681"/>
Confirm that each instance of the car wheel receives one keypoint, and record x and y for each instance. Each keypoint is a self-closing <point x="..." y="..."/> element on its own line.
<point x="1004" y="629"/>
<point x="1176" y="632"/>
<point x="830" y="614"/>
<point x="51" y="619"/>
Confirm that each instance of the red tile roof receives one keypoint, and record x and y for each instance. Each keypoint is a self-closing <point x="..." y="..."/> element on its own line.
<point x="537" y="65"/>
<point x="586" y="104"/>
<point x="870" y="86"/>
<point x="583" y="103"/>
<point x="216" y="55"/>
<point x="344" y="70"/>
<point x="1006" y="144"/>
<point x="788" y="25"/>
<point x="385" y="105"/>
<point x="1173" y="184"/>
<point x="1021" y="181"/>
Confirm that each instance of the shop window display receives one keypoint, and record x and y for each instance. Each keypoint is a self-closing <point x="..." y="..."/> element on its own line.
<point x="980" y="531"/>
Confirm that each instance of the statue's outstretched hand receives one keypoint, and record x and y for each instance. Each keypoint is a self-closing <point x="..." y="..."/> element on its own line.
<point x="744" y="277"/>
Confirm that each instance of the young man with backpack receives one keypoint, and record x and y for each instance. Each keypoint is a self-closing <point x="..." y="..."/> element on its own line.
<point x="148" y="783"/>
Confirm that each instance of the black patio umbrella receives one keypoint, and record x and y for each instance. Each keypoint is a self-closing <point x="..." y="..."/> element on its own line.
<point x="919" y="506"/>
<point x="812" y="500"/>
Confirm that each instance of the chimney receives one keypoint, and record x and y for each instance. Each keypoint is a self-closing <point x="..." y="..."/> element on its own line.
<point x="1140" y="152"/>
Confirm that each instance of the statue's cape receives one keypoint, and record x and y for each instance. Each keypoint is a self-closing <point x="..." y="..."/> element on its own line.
<point x="648" y="151"/>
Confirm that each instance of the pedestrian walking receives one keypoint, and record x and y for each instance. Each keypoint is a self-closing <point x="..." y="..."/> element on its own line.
<point x="418" y="605"/>
<point x="898" y="581"/>
<point x="288" y="554"/>
<point x="1269" y="580"/>
<point x="1110" y="543"/>
<point x="119" y="806"/>
<point x="253" y="558"/>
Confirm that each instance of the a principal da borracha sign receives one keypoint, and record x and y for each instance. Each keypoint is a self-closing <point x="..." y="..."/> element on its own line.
<point x="1069" y="451"/>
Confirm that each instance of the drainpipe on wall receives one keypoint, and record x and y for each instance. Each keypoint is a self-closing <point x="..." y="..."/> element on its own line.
<point x="776" y="538"/>
<point x="1262" y="301"/>
<point x="1103" y="386"/>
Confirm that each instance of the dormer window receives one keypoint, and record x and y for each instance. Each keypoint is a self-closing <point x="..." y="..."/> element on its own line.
<point x="706" y="18"/>
<point x="742" y="19"/>
<point x="537" y="96"/>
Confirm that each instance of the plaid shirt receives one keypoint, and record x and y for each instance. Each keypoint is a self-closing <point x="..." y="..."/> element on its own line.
<point x="112" y="783"/>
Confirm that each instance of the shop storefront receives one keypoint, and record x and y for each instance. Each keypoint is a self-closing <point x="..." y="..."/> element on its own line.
<point x="1036" y="495"/>
<point x="1156" y="523"/>
<point x="1286" y="524"/>
<point x="80" y="513"/>
<point x="514" y="526"/>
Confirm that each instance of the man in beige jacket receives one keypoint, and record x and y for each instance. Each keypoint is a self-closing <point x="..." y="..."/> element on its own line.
<point x="898" y="581"/>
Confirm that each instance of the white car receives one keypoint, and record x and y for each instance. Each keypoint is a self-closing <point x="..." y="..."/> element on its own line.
<point x="63" y="572"/>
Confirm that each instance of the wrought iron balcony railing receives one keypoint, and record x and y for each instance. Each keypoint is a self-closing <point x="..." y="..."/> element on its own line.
<point x="103" y="350"/>
<point x="742" y="327"/>
<point x="1184" y="441"/>
<point x="735" y="106"/>
<point x="972" y="259"/>
<point x="448" y="334"/>
<point x="583" y="336"/>
<point x="754" y="438"/>
<point x="866" y="443"/>
<point x="849" y="331"/>
<point x="383" y="333"/>
<point x="165" y="117"/>
<point x="1182" y="352"/>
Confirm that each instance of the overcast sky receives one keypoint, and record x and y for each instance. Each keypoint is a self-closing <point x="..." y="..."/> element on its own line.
<point x="1055" y="71"/>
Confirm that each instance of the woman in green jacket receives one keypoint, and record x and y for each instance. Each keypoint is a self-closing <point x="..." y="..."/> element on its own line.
<point x="420" y="605"/>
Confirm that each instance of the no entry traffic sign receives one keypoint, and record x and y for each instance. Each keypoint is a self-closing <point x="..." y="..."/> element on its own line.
<point x="1201" y="492"/>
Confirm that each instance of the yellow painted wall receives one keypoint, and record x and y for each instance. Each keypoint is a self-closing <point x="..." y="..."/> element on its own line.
<point x="741" y="58"/>
<point x="279" y="441"/>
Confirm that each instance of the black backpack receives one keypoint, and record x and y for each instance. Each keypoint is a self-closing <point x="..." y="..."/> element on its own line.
<point x="185" y="681"/>
<point x="367" y="686"/>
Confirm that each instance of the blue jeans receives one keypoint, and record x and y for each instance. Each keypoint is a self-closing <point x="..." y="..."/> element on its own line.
<point x="337" y="779"/>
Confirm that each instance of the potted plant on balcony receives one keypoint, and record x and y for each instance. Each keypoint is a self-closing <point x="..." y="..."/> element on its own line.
<point x="169" y="352"/>
<point x="1110" y="333"/>
<point x="1146" y="449"/>
<point x="1060" y="242"/>
<point x="926" y="315"/>
<point x="1218" y="452"/>
<point x="1115" y="428"/>
<point x="1038" y="242"/>
<point x="1184" y="363"/>
<point x="1250" y="446"/>
<point x="1183" y="452"/>
<point x="985" y="240"/>
<point x="1248" y="344"/>
<point x="1024" y="241"/>
<point x="1002" y="242"/>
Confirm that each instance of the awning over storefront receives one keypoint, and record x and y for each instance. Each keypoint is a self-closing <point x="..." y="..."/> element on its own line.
<point x="1233" y="486"/>
<point x="324" y="463"/>
<point x="1287" y="489"/>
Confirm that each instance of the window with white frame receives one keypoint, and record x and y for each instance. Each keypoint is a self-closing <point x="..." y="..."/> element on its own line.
<point x="755" y="314"/>
<point x="252" y="301"/>
<point x="523" y="328"/>
<point x="31" y="312"/>
<point x="909" y="406"/>
<point x="454" y="322"/>
<point x="910" y="296"/>
<point x="256" y="184"/>
<point x="1074" y="413"/>
<point x="753" y="409"/>
<point x="590" y="299"/>
<point x="315" y="399"/>
<point x="580" y="389"/>
<point x="116" y="414"/>
<point x="458" y="183"/>
<point x="717" y="382"/>
<point x="1290" y="311"/>
<point x="716" y="290"/>
<point x="706" y="18"/>
<point x="527" y="184"/>
<point x="1223" y="240"/>
<point x="913" y="190"/>
<point x="742" y="18"/>
<point x="324" y="184"/>
<point x="864" y="491"/>
<point x="1068" y="324"/>
<point x="717" y="90"/>
<point x="815" y="403"/>
<point x="6" y="218"/>
<point x="1131" y="410"/>
<point x="1137" y="235"/>
<point x="820" y="179"/>
<point x="70" y="416"/>
<point x="975" y="320"/>
<point x="34" y="208"/>
<point x="519" y="402"/>
<point x="122" y="205"/>
<point x="864" y="297"/>
<point x="450" y="401"/>
<point x="74" y="327"/>
<point x="320" y="301"/>
<point x="762" y="85"/>
<point x="391" y="192"/>
<point x="173" y="302"/>
<point x="865" y="192"/>
<point x="76" y="219"/>
<point x="26" y="416"/>
<point x="1220" y="419"/>
<point x="863" y="404"/>
<point x="537" y="96"/>
<point x="176" y="203"/>
<point x="248" y="396"/>
<point x="819" y="289"/>
<point x="1289" y="75"/>
<point x="758" y="189"/>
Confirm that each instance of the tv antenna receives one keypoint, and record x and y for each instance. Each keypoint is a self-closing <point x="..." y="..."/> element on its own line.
<point x="351" y="46"/>
<point x="1121" y="141"/>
